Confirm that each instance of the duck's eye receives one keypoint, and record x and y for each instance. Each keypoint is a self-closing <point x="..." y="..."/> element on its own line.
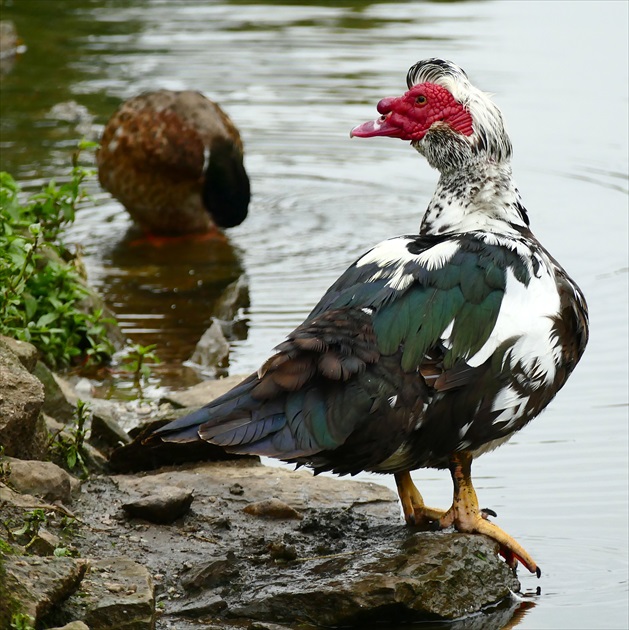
<point x="421" y="100"/>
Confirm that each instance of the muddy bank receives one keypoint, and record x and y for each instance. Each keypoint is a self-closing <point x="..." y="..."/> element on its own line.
<point x="229" y="544"/>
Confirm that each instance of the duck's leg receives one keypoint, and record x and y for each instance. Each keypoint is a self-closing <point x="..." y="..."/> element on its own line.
<point x="415" y="511"/>
<point x="466" y="516"/>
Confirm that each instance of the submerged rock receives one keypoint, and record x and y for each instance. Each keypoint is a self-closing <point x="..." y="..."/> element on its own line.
<point x="212" y="350"/>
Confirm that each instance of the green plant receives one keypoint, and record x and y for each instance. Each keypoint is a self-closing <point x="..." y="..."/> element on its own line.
<point x="22" y="621"/>
<point x="67" y="447"/>
<point x="33" y="520"/>
<point x="136" y="358"/>
<point x="5" y="547"/>
<point x="65" y="552"/>
<point x="69" y="526"/>
<point x="41" y="292"/>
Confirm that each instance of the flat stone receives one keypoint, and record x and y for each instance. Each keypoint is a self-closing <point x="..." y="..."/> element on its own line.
<point x="116" y="594"/>
<point x="39" y="584"/>
<point x="299" y="489"/>
<point x="41" y="479"/>
<point x="163" y="505"/>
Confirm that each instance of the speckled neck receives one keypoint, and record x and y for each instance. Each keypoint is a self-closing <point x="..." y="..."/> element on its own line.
<point x="479" y="196"/>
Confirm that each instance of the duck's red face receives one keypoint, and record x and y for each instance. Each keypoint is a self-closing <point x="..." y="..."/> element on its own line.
<point x="411" y="115"/>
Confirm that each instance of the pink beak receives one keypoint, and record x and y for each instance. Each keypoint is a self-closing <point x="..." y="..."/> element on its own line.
<point x="381" y="126"/>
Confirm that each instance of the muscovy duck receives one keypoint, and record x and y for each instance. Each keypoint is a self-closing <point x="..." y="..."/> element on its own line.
<point x="431" y="349"/>
<point x="175" y="161"/>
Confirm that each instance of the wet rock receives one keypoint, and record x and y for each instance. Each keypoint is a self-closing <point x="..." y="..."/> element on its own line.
<point x="38" y="584"/>
<point x="25" y="352"/>
<point x="205" y="604"/>
<point x="212" y="350"/>
<point x="22" y="433"/>
<point x="429" y="576"/>
<point x="203" y="393"/>
<point x="350" y="560"/>
<point x="42" y="479"/>
<point x="272" y="508"/>
<point x="213" y="572"/>
<point x="57" y="398"/>
<point x="116" y="594"/>
<point x="164" y="505"/>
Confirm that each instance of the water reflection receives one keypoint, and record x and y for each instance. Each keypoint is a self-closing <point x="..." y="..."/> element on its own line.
<point x="167" y="291"/>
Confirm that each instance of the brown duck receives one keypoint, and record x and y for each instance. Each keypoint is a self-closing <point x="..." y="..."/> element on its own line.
<point x="175" y="161"/>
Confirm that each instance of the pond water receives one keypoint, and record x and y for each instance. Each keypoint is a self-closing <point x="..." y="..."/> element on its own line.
<point x="296" y="77"/>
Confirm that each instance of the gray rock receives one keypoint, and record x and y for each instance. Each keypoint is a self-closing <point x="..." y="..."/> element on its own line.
<point x="38" y="584"/>
<point x="205" y="604"/>
<point x="386" y="580"/>
<point x="25" y="352"/>
<point x="56" y="403"/>
<point x="212" y="350"/>
<point x="234" y="297"/>
<point x="42" y="479"/>
<point x="21" y="399"/>
<point x="350" y="560"/>
<point x="164" y="505"/>
<point x="116" y="594"/>
<point x="106" y="431"/>
<point x="211" y="573"/>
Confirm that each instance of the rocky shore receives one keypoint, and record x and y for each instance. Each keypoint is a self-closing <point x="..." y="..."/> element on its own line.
<point x="228" y="543"/>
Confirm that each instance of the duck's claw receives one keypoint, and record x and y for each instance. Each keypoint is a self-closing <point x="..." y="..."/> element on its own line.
<point x="416" y="513"/>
